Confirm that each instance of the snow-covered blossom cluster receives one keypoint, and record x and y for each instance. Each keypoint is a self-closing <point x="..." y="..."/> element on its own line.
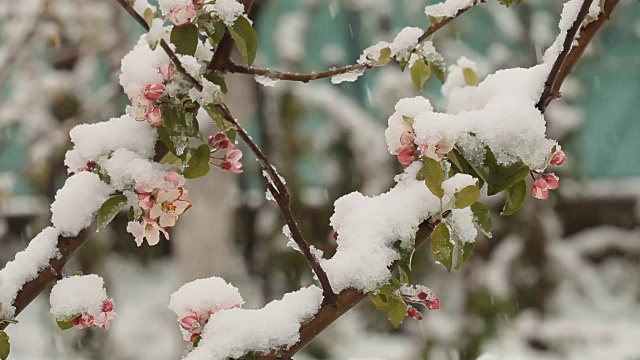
<point x="159" y="207"/>
<point x="145" y="75"/>
<point x="82" y="301"/>
<point x="230" y="161"/>
<point x="197" y="301"/>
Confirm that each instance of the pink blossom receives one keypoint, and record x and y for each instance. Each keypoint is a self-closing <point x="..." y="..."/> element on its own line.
<point x="552" y="181"/>
<point x="558" y="158"/>
<point x="439" y="150"/>
<point x="107" y="314"/>
<point x="154" y="117"/>
<point x="406" y="157"/>
<point x="540" y="189"/>
<point x="149" y="229"/>
<point x="102" y="319"/>
<point x="433" y="304"/>
<point x="107" y="305"/>
<point x="407" y="138"/>
<point x="83" y="321"/>
<point x="182" y="15"/>
<point x="174" y="178"/>
<point x="168" y="207"/>
<point x="232" y="161"/>
<point x="153" y="91"/>
<point x="193" y="322"/>
<point x="166" y="70"/>
<point x="141" y="108"/>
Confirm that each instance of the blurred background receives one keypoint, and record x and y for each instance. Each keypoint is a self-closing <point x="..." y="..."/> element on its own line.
<point x="560" y="279"/>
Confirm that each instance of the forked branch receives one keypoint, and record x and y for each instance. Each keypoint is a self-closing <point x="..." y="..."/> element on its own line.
<point x="276" y="186"/>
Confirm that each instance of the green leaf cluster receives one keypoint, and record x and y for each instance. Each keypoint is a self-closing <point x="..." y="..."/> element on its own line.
<point x="5" y="346"/>
<point x="388" y="298"/>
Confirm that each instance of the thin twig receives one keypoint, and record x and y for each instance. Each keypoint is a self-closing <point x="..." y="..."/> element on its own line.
<point x="280" y="193"/>
<point x="549" y="84"/>
<point x="279" y="75"/>
<point x="232" y="67"/>
<point x="586" y="35"/>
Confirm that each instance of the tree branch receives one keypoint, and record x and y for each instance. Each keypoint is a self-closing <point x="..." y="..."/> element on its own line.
<point x="279" y="75"/>
<point x="346" y="300"/>
<point x="558" y="74"/>
<point x="547" y="95"/>
<point x="232" y="67"/>
<point x="280" y="193"/>
<point x="278" y="189"/>
<point x="48" y="275"/>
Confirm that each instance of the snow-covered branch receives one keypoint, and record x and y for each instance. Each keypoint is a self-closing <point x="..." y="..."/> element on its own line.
<point x="359" y="68"/>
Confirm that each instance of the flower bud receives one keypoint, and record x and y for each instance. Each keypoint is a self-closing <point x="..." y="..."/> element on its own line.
<point x="154" y="117"/>
<point x="558" y="158"/>
<point x="153" y="91"/>
<point x="540" y="189"/>
<point x="552" y="181"/>
<point x="406" y="157"/>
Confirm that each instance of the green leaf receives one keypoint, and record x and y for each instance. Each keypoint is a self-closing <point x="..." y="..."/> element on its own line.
<point x="403" y="64"/>
<point x="404" y="277"/>
<point x="216" y="33"/>
<point x="196" y="341"/>
<point x="467" y="251"/>
<point x="385" y="56"/>
<point x="198" y="164"/>
<point x="246" y="39"/>
<point x="420" y="72"/>
<point x="439" y="71"/>
<point x="499" y="177"/>
<point x="163" y="134"/>
<point x="5" y="346"/>
<point x="192" y="125"/>
<point x="379" y="300"/>
<point x="463" y="166"/>
<point x="216" y="116"/>
<point x="64" y="325"/>
<point x="470" y="77"/>
<point x="514" y="198"/>
<point x="433" y="176"/>
<point x="441" y="246"/>
<point x="110" y="209"/>
<point x="396" y="312"/>
<point x="171" y="159"/>
<point x="466" y="196"/>
<point x="481" y="218"/>
<point x="131" y="215"/>
<point x="218" y="80"/>
<point x="185" y="38"/>
<point x="174" y="120"/>
<point x="149" y="15"/>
